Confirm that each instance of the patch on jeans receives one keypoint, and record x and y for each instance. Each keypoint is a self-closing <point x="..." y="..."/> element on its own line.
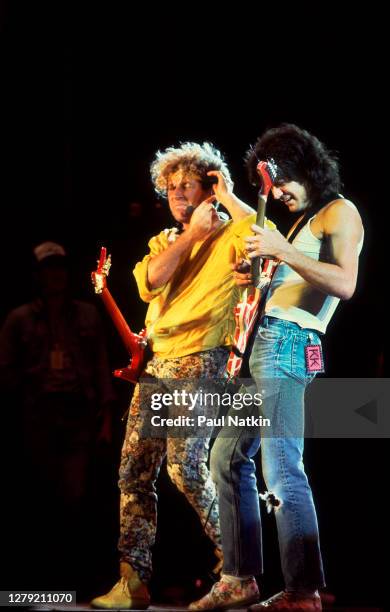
<point x="271" y="501"/>
<point x="314" y="358"/>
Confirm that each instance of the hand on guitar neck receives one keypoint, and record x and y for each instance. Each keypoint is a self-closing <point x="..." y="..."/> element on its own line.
<point x="247" y="275"/>
<point x="242" y="269"/>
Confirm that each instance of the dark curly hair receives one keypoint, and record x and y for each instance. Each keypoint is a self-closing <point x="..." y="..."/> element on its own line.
<point x="301" y="157"/>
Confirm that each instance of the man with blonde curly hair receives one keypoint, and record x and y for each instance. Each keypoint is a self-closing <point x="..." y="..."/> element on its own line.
<point x="186" y="278"/>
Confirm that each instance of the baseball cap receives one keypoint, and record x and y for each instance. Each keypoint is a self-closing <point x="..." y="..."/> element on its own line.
<point x="48" y="249"/>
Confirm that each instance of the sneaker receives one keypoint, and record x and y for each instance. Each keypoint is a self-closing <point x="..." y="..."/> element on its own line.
<point x="226" y="594"/>
<point x="129" y="593"/>
<point x="288" y="600"/>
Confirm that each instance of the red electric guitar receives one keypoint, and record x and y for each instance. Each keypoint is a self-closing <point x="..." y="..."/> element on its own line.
<point x="246" y="311"/>
<point x="134" y="343"/>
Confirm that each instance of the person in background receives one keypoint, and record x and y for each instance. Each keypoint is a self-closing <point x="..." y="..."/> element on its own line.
<point x="54" y="369"/>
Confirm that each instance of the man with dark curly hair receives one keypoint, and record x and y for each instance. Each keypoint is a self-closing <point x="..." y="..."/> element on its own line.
<point x="186" y="279"/>
<point x="314" y="270"/>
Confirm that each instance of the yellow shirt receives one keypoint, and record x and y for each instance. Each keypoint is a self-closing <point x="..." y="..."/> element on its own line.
<point x="194" y="311"/>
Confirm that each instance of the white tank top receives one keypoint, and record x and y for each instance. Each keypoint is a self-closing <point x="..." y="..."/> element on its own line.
<point x="292" y="298"/>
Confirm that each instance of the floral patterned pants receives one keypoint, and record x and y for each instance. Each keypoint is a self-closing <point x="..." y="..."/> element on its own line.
<point x="187" y="457"/>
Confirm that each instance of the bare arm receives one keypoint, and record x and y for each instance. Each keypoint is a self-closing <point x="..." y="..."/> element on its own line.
<point x="342" y="229"/>
<point x="236" y="208"/>
<point x="162" y="267"/>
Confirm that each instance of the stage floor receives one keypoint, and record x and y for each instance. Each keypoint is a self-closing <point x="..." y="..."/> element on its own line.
<point x="168" y="608"/>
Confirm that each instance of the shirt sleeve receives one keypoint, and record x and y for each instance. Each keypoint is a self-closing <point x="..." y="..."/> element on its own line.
<point x="242" y="227"/>
<point x="157" y="244"/>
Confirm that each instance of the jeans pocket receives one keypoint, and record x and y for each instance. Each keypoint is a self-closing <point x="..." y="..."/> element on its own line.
<point x="294" y="362"/>
<point x="270" y="334"/>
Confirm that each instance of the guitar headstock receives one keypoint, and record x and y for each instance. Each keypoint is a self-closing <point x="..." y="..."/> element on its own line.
<point x="268" y="172"/>
<point x="99" y="276"/>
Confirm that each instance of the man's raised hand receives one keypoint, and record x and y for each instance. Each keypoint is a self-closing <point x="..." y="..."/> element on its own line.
<point x="204" y="220"/>
<point x="221" y="187"/>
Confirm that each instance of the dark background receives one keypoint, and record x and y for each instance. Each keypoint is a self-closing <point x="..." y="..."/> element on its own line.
<point x="89" y="95"/>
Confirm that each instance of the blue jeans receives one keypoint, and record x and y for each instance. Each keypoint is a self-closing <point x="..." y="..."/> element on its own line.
<point x="277" y="365"/>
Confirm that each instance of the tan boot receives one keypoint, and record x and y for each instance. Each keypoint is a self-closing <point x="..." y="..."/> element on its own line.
<point x="129" y="593"/>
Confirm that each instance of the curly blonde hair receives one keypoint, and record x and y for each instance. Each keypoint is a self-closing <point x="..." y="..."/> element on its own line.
<point x="190" y="158"/>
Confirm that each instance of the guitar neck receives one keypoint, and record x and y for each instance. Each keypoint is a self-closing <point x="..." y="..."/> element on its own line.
<point x="260" y="216"/>
<point x="118" y="319"/>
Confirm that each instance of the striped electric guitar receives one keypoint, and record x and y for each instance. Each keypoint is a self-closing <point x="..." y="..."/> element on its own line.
<point x="134" y="343"/>
<point x="246" y="311"/>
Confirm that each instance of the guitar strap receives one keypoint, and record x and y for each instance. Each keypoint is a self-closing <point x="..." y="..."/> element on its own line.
<point x="297" y="228"/>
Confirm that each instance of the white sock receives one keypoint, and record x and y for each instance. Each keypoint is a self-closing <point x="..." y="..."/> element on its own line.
<point x="235" y="579"/>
